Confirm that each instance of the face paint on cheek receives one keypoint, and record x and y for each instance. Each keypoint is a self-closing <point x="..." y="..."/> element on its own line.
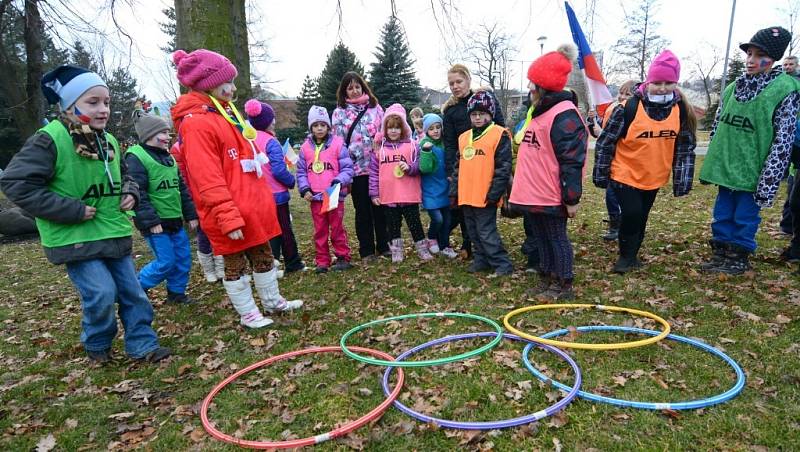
<point x="81" y="116"/>
<point x="764" y="62"/>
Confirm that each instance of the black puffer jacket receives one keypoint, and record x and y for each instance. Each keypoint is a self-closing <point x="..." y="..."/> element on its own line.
<point x="146" y="215"/>
<point x="455" y="121"/>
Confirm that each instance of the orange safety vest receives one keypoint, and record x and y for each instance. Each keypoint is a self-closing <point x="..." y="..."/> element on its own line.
<point x="475" y="173"/>
<point x="643" y="158"/>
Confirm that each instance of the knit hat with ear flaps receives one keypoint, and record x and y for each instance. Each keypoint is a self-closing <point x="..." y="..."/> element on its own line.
<point x="147" y="126"/>
<point x="772" y="40"/>
<point x="203" y="70"/>
<point x="318" y="114"/>
<point x="260" y="114"/>
<point x="551" y="70"/>
<point x="481" y="101"/>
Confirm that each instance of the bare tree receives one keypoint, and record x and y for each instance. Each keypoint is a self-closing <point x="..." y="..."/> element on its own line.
<point x="641" y="42"/>
<point x="492" y="50"/>
<point x="792" y="13"/>
<point x="704" y="66"/>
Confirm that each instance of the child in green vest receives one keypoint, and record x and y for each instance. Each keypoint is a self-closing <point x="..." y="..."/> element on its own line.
<point x="71" y="177"/>
<point x="751" y="143"/>
<point x="164" y="203"/>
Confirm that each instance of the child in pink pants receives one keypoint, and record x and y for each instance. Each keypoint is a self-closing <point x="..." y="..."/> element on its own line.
<point x="324" y="162"/>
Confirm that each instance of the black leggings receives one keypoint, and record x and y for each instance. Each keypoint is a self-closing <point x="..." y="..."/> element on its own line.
<point x="395" y="215"/>
<point x="370" y="220"/>
<point x="635" y="205"/>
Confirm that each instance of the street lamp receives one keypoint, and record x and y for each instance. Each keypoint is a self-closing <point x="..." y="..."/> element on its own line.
<point x="541" y="40"/>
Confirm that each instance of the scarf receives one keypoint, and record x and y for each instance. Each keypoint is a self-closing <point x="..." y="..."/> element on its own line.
<point x="359" y="101"/>
<point x="88" y="143"/>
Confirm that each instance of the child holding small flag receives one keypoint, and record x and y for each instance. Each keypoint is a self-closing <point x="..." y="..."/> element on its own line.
<point x="279" y="179"/>
<point x="324" y="170"/>
<point x="394" y="182"/>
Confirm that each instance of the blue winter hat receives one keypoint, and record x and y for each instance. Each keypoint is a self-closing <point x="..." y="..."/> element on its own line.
<point x="429" y="120"/>
<point x="66" y="83"/>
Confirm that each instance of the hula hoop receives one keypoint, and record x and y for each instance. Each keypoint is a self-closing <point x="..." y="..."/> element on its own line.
<point x="431" y="362"/>
<point x="693" y="404"/>
<point x="599" y="307"/>
<point x="311" y="440"/>
<point x="488" y="425"/>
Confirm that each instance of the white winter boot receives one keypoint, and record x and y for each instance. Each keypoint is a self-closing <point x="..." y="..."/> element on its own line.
<point x="207" y="264"/>
<point x="396" y="247"/>
<point x="422" y="250"/>
<point x="219" y="267"/>
<point x="270" y="295"/>
<point x="241" y="296"/>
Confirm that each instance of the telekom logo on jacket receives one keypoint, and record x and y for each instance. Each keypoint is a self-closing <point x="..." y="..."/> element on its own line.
<point x="233" y="153"/>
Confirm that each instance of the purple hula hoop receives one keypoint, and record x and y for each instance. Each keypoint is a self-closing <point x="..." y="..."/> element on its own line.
<point x="558" y="406"/>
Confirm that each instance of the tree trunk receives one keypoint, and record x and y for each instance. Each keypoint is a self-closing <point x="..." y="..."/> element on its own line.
<point x="220" y="26"/>
<point x="35" y="62"/>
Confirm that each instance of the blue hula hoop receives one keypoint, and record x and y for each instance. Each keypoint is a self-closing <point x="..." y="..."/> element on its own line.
<point x="488" y="425"/>
<point x="690" y="405"/>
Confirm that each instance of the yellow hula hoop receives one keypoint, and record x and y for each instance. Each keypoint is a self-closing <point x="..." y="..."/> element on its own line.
<point x="599" y="307"/>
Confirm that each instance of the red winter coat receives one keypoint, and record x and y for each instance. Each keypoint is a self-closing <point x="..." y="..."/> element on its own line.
<point x="227" y="198"/>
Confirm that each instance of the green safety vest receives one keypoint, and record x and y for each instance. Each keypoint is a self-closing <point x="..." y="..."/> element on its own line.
<point x="85" y="179"/>
<point x="162" y="185"/>
<point x="744" y="136"/>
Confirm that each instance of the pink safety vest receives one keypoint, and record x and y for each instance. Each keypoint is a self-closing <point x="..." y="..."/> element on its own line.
<point x="392" y="189"/>
<point x="262" y="138"/>
<point x="329" y="156"/>
<point x="536" y="179"/>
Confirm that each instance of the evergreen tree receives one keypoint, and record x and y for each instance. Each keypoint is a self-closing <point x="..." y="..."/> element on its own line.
<point x="340" y="61"/>
<point x="80" y="56"/>
<point x="393" y="79"/>
<point x="124" y="95"/>
<point x="169" y="28"/>
<point x="309" y="96"/>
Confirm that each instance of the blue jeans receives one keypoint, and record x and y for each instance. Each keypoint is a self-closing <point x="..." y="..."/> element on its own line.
<point x="173" y="261"/>
<point x="736" y="218"/>
<point x="101" y="283"/>
<point x="612" y="203"/>
<point x="439" y="228"/>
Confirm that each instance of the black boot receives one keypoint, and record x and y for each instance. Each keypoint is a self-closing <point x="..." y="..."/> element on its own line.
<point x="737" y="261"/>
<point x="627" y="261"/>
<point x="179" y="298"/>
<point x="717" y="258"/>
<point x="613" y="228"/>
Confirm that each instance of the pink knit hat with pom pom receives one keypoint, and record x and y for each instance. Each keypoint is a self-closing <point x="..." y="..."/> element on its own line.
<point x="259" y="114"/>
<point x="203" y="70"/>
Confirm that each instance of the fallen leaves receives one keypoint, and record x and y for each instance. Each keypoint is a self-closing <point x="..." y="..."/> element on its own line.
<point x="46" y="444"/>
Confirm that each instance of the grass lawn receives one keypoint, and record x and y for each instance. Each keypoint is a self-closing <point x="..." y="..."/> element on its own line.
<point x="51" y="396"/>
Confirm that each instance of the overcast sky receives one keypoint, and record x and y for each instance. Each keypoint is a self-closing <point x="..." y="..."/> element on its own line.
<point x="300" y="33"/>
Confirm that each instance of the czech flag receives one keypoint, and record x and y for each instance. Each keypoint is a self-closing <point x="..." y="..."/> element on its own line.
<point x="330" y="198"/>
<point x="289" y="156"/>
<point x="595" y="82"/>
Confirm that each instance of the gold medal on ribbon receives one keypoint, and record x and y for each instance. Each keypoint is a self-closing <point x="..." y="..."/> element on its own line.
<point x="398" y="172"/>
<point x="249" y="132"/>
<point x="318" y="167"/>
<point x="469" y="153"/>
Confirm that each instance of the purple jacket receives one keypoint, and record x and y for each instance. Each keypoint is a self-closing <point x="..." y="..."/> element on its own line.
<point x="374" y="168"/>
<point x="345" y="176"/>
<point x="280" y="172"/>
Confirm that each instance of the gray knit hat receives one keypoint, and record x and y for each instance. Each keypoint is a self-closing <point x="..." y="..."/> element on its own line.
<point x="147" y="125"/>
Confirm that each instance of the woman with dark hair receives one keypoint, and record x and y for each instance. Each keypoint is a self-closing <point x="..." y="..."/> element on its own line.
<point x="455" y="121"/>
<point x="357" y="119"/>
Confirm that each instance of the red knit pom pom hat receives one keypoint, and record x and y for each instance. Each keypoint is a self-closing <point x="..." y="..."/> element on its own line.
<point x="203" y="70"/>
<point x="551" y="70"/>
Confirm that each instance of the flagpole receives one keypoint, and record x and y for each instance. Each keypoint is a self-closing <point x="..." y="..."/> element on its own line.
<point x="727" y="50"/>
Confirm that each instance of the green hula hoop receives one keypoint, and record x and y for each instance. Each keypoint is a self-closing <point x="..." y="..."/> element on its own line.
<point x="431" y="362"/>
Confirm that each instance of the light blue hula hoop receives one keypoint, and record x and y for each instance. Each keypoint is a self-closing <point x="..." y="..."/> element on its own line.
<point x="690" y="405"/>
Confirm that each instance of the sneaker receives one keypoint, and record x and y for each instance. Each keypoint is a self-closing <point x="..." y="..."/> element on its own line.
<point x="179" y="298"/>
<point x="372" y="258"/>
<point x="341" y="265"/>
<point x="156" y="355"/>
<point x="433" y="246"/>
<point x="449" y="253"/>
<point x="476" y="268"/>
<point x="254" y="319"/>
<point x="321" y="269"/>
<point x="504" y="272"/>
<point x="301" y="268"/>
<point x="99" y="357"/>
